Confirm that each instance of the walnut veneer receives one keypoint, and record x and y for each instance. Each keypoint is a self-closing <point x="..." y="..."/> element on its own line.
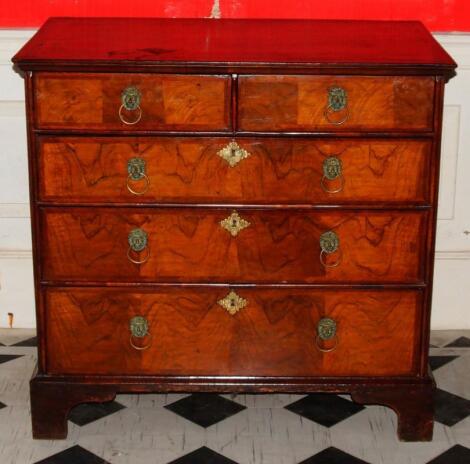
<point x="212" y="216"/>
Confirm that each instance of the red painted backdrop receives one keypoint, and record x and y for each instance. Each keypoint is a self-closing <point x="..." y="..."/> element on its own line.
<point x="438" y="15"/>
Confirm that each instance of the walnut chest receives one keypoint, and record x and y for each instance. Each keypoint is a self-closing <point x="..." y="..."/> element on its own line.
<point x="233" y="206"/>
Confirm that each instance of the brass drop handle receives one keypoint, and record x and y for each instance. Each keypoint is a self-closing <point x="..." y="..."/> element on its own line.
<point x="332" y="175"/>
<point x="135" y="175"/>
<point x="130" y="101"/>
<point x="329" y="244"/>
<point x="326" y="331"/>
<point x="234" y="224"/>
<point x="139" y="328"/>
<point x="336" y="110"/>
<point x="138" y="241"/>
<point x="233" y="153"/>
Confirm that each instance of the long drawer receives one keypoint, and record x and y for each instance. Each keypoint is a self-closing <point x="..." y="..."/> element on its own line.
<point x="224" y="245"/>
<point x="335" y="103"/>
<point x="267" y="332"/>
<point x="101" y="101"/>
<point x="245" y="170"/>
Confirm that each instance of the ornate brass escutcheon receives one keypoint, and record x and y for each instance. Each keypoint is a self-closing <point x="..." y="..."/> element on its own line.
<point x="337" y="101"/>
<point x="326" y="328"/>
<point x="332" y="170"/>
<point x="130" y="98"/>
<point x="135" y="173"/>
<point x="137" y="240"/>
<point x="337" y="98"/>
<point x="136" y="168"/>
<point x="326" y="331"/>
<point x="233" y="153"/>
<point x="130" y="101"/>
<point x="233" y="303"/>
<point x="332" y="167"/>
<point x="329" y="243"/>
<point x="234" y="224"/>
<point x="139" y="328"/>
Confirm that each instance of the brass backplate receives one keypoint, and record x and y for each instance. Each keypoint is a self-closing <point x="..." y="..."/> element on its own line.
<point x="233" y="153"/>
<point x="234" y="224"/>
<point x="337" y="98"/>
<point x="233" y="303"/>
<point x="326" y="328"/>
<point x="329" y="242"/>
<point x="139" y="327"/>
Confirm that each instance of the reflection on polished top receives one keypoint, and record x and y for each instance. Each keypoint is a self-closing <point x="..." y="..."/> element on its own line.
<point x="326" y="43"/>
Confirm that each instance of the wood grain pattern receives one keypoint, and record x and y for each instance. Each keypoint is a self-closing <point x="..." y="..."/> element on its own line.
<point x="189" y="170"/>
<point x="168" y="102"/>
<point x="298" y="103"/>
<point x="189" y="245"/>
<point x="380" y="47"/>
<point x="192" y="335"/>
<point x="86" y="289"/>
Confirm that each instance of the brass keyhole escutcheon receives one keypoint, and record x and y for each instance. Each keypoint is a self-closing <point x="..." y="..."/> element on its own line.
<point x="233" y="153"/>
<point x="234" y="224"/>
<point x="233" y="303"/>
<point x="139" y="328"/>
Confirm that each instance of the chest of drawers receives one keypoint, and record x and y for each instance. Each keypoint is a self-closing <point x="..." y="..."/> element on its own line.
<point x="233" y="206"/>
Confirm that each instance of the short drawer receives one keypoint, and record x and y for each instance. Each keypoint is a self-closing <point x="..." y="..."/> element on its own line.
<point x="231" y="332"/>
<point x="335" y="103"/>
<point x="224" y="245"/>
<point x="132" y="101"/>
<point x="244" y="170"/>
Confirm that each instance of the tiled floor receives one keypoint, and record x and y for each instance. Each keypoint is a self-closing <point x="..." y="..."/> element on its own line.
<point x="241" y="429"/>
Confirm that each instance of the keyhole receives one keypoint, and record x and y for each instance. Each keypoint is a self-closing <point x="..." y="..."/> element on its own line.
<point x="233" y="152"/>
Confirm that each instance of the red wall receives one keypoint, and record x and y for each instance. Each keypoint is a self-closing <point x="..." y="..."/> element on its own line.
<point x="438" y="15"/>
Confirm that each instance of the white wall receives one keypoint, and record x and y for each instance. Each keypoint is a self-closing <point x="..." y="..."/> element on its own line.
<point x="452" y="279"/>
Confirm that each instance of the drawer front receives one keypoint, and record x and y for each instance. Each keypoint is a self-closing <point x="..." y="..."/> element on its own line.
<point x="246" y="170"/>
<point x="335" y="103"/>
<point x="132" y="101"/>
<point x="274" y="332"/>
<point x="223" y="245"/>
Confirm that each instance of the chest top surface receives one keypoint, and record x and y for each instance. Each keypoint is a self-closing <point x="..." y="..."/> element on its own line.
<point x="228" y="44"/>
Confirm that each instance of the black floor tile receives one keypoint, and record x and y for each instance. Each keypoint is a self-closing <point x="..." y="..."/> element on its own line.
<point x="438" y="361"/>
<point x="205" y="409"/>
<point x="458" y="454"/>
<point x="203" y="455"/>
<point x="333" y="456"/>
<point x="461" y="342"/>
<point x="449" y="408"/>
<point x="29" y="342"/>
<point x="9" y="357"/>
<point x="85" y="413"/>
<point x="325" y="409"/>
<point x="74" y="455"/>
